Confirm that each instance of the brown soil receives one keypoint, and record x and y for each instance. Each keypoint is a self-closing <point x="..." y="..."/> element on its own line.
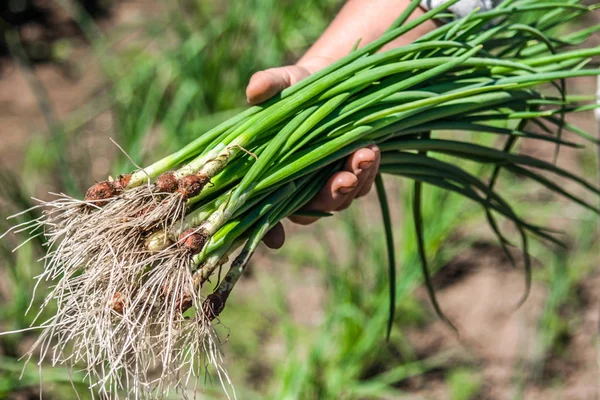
<point x="481" y="300"/>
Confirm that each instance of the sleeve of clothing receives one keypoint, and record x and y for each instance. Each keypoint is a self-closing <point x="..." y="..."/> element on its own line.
<point x="463" y="7"/>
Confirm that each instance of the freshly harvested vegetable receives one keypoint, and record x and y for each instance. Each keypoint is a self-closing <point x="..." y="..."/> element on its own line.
<point x="129" y="261"/>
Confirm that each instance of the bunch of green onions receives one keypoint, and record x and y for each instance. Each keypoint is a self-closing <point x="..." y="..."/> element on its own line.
<point x="129" y="261"/>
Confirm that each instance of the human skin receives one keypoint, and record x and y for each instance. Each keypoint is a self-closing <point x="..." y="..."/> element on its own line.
<point x="364" y="20"/>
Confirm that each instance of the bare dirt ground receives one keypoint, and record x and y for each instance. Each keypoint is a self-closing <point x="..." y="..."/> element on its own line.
<point x="478" y="289"/>
<point x="480" y="299"/>
<point x="67" y="86"/>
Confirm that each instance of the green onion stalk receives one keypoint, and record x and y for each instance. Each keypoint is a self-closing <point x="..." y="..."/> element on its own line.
<point x="129" y="262"/>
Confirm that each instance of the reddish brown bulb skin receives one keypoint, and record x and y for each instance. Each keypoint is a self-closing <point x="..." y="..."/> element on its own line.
<point x="191" y="185"/>
<point x="117" y="303"/>
<point x="213" y="306"/>
<point x="101" y="192"/>
<point x="122" y="182"/>
<point x="167" y="183"/>
<point x="185" y="303"/>
<point x="192" y="240"/>
<point x="146" y="210"/>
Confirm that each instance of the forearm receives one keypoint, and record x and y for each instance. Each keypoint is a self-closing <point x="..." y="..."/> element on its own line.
<point x="366" y="20"/>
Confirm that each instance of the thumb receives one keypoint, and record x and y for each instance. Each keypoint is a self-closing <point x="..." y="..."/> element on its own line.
<point x="265" y="84"/>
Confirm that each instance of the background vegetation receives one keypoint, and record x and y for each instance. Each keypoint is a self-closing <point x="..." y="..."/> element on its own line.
<point x="309" y="321"/>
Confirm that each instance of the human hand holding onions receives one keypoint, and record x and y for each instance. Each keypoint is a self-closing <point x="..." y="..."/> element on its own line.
<point x="358" y="20"/>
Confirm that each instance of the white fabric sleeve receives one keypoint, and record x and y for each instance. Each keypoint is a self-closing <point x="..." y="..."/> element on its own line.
<point x="463" y="7"/>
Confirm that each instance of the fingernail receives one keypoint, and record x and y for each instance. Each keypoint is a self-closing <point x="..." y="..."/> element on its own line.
<point x="365" y="165"/>
<point x="375" y="148"/>
<point x="346" y="189"/>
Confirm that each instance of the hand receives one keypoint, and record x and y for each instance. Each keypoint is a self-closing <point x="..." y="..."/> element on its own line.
<point x="358" y="19"/>
<point x="358" y="174"/>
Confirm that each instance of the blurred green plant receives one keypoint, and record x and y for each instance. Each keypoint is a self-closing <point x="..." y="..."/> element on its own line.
<point x="464" y="384"/>
<point x="348" y="356"/>
<point x="47" y="29"/>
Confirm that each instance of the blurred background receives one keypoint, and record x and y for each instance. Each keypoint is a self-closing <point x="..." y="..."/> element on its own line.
<point x="307" y="321"/>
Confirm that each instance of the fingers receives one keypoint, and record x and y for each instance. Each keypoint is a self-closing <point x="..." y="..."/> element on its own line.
<point x="370" y="179"/>
<point x="275" y="238"/>
<point x="265" y="84"/>
<point x="343" y="187"/>
<point x="331" y="196"/>
<point x="362" y="164"/>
